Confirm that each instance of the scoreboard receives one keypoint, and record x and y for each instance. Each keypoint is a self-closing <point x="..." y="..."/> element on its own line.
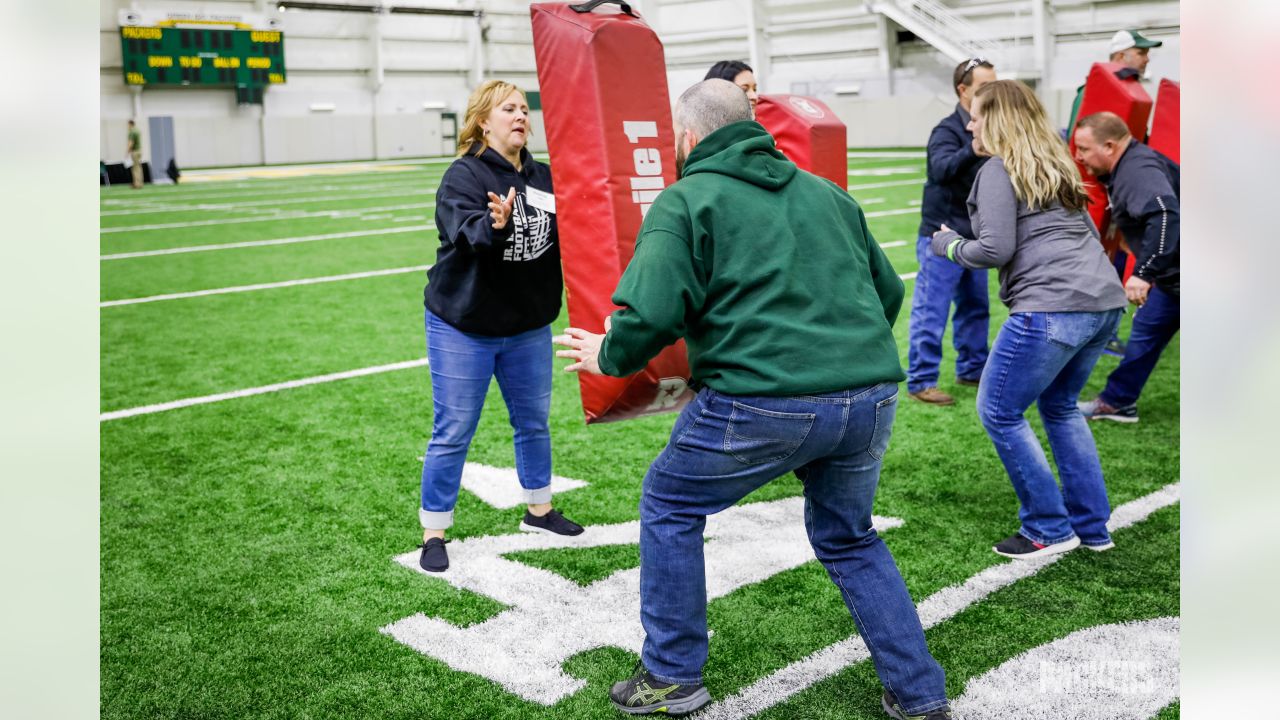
<point x="247" y="60"/>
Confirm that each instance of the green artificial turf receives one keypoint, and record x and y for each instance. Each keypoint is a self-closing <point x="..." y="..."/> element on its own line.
<point x="247" y="545"/>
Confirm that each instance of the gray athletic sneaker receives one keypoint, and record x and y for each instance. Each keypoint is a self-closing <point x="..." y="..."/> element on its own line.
<point x="643" y="694"/>
<point x="891" y="706"/>
<point x="1098" y="409"/>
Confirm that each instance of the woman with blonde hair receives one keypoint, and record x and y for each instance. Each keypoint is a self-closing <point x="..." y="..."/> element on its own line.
<point x="1029" y="219"/>
<point x="490" y="299"/>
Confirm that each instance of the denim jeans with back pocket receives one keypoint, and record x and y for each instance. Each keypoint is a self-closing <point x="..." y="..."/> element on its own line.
<point x="1046" y="358"/>
<point x="722" y="447"/>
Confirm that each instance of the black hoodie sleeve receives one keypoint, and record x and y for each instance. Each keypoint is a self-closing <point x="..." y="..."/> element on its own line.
<point x="462" y="210"/>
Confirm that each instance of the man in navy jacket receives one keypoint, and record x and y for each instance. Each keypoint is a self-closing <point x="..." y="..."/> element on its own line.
<point x="952" y="166"/>
<point x="1143" y="188"/>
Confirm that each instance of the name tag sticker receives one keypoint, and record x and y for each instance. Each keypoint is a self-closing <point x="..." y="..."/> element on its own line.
<point x="540" y="199"/>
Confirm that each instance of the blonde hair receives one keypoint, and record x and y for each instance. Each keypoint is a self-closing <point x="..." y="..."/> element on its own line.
<point x="1016" y="129"/>
<point x="482" y="102"/>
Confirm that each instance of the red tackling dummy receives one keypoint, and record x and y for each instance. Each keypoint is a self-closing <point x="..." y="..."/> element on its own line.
<point x="1111" y="87"/>
<point x="1166" y="125"/>
<point x="603" y="79"/>
<point x="808" y="133"/>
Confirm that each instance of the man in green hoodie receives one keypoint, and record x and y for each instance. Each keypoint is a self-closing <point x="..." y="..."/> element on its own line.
<point x="786" y="303"/>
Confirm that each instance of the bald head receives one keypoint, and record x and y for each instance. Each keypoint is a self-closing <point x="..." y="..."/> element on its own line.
<point x="709" y="106"/>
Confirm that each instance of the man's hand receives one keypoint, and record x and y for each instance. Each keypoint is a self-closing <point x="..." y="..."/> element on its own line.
<point x="500" y="208"/>
<point x="584" y="348"/>
<point x="944" y="229"/>
<point x="1136" y="290"/>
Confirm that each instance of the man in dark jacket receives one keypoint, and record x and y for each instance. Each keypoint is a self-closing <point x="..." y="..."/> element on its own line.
<point x="787" y="304"/>
<point x="952" y="166"/>
<point x="1142" y="187"/>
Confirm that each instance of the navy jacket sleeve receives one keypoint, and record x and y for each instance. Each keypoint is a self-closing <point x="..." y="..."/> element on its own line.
<point x="1147" y="196"/>
<point x="462" y="211"/>
<point x="949" y="154"/>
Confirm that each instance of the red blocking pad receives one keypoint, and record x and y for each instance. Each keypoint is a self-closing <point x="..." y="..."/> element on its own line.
<point x="1166" y="125"/>
<point x="603" y="79"/>
<point x="1105" y="91"/>
<point x="808" y="133"/>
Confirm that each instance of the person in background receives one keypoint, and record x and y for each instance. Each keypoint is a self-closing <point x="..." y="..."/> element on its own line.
<point x="791" y="345"/>
<point x="1132" y="51"/>
<point x="135" y="154"/>
<point x="740" y="74"/>
<point x="490" y="298"/>
<point x="952" y="165"/>
<point x="1028" y="211"/>
<point x="1143" y="188"/>
<point x="1128" y="48"/>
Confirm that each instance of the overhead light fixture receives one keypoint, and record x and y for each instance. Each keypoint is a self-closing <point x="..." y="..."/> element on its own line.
<point x="434" y="105"/>
<point x="848" y="90"/>
<point x="323" y="107"/>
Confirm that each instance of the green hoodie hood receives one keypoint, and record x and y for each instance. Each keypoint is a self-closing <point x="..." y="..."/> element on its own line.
<point x="742" y="150"/>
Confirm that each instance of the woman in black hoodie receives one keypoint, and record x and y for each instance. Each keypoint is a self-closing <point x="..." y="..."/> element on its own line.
<point x="490" y="299"/>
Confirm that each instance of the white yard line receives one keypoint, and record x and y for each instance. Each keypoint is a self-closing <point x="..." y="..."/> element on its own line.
<point x="248" y="392"/>
<point x="893" y="244"/>
<point x="268" y="186"/>
<point x="304" y="382"/>
<point x="899" y="211"/>
<point x="349" y="212"/>
<point x="909" y="276"/>
<point x="263" y="243"/>
<point x="891" y="183"/>
<point x="886" y="154"/>
<point x="937" y="608"/>
<point x="858" y="172"/>
<point x="219" y="206"/>
<point x="218" y="194"/>
<point x="264" y="286"/>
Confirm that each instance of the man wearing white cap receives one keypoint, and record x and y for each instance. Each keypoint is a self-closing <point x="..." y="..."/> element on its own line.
<point x="1130" y="49"/>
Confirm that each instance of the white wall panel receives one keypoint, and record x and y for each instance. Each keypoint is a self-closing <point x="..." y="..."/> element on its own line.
<point x="403" y="136"/>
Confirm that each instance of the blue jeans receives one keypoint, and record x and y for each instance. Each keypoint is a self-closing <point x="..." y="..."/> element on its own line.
<point x="461" y="366"/>
<point x="1046" y="358"/>
<point x="939" y="283"/>
<point x="1154" y="325"/>
<point x="722" y="447"/>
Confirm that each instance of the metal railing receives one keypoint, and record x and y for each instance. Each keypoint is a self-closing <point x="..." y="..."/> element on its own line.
<point x="939" y="19"/>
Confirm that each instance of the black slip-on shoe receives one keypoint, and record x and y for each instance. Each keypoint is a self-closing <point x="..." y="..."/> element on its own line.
<point x="1021" y="548"/>
<point x="891" y="706"/>
<point x="644" y="694"/>
<point x="553" y="523"/>
<point x="434" y="558"/>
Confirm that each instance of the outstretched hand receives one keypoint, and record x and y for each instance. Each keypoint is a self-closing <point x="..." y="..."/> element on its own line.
<point x="584" y="348"/>
<point x="500" y="208"/>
